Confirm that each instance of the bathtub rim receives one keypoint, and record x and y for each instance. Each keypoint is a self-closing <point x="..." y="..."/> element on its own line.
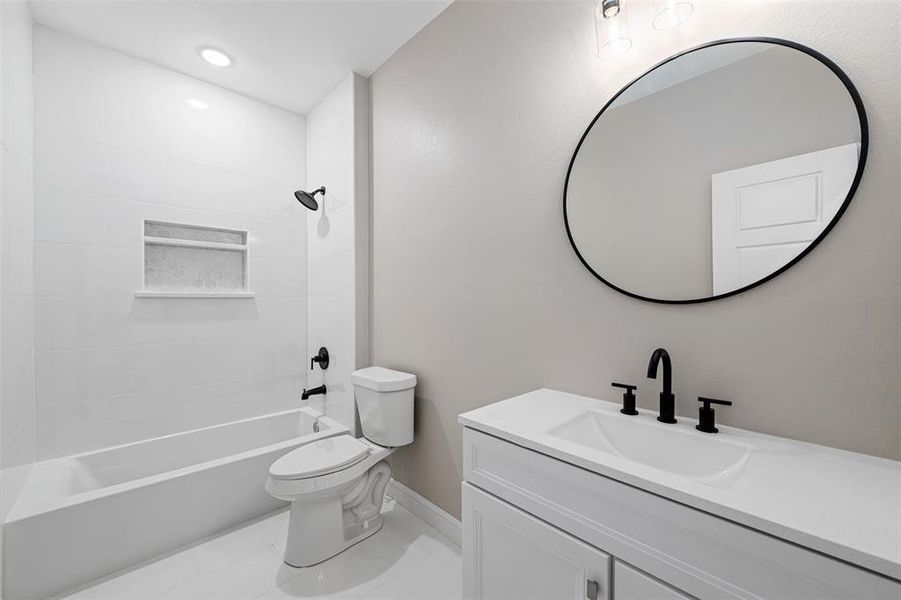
<point x="19" y="513"/>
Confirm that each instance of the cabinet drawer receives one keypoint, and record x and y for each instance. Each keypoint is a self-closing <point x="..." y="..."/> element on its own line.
<point x="694" y="551"/>
<point x="509" y="554"/>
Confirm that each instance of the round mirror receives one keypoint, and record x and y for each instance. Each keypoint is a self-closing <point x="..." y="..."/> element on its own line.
<point x="715" y="171"/>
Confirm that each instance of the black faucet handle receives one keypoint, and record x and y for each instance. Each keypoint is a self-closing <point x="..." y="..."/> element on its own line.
<point x="628" y="398"/>
<point x="708" y="401"/>
<point x="706" y="414"/>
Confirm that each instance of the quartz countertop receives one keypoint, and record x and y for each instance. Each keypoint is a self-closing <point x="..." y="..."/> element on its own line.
<point x="840" y="503"/>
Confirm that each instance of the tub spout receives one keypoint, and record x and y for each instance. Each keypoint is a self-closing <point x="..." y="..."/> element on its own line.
<point x="312" y="392"/>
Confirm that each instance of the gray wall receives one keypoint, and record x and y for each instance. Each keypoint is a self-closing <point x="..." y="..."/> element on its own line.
<point x="640" y="193"/>
<point x="477" y="291"/>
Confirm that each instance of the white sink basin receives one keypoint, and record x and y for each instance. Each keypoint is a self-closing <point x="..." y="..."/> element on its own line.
<point x="678" y="449"/>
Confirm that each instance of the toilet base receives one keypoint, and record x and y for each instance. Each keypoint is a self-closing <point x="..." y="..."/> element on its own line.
<point x="327" y="524"/>
<point x="302" y="559"/>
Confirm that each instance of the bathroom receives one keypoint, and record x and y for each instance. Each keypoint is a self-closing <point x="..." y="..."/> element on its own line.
<point x="307" y="299"/>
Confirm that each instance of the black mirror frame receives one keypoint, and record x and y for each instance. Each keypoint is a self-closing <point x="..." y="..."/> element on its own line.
<point x="861" y="162"/>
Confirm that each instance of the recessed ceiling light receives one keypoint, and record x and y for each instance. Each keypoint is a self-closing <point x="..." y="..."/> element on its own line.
<point x="215" y="57"/>
<point x="198" y="104"/>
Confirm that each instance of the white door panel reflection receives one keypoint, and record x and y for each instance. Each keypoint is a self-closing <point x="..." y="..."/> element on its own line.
<point x="764" y="215"/>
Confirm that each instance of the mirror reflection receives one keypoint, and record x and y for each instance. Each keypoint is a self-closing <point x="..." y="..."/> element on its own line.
<point x="713" y="171"/>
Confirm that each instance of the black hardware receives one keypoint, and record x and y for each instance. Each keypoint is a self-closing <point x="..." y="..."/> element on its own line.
<point x="308" y="199"/>
<point x="316" y="391"/>
<point x="667" y="399"/>
<point x="858" y="175"/>
<point x="628" y="398"/>
<point x="321" y="358"/>
<point x="706" y="414"/>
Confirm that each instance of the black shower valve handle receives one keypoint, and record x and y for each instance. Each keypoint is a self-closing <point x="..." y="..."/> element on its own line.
<point x="322" y="357"/>
<point x="628" y="398"/>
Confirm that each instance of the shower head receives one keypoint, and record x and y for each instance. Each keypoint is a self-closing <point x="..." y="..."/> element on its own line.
<point x="308" y="198"/>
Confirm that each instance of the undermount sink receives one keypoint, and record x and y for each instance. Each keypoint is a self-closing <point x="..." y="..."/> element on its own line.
<point x="672" y="448"/>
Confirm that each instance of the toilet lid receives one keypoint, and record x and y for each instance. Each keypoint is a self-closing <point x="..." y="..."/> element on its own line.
<point x="319" y="458"/>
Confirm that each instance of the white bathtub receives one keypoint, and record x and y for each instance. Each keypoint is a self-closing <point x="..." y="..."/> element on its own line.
<point x="83" y="516"/>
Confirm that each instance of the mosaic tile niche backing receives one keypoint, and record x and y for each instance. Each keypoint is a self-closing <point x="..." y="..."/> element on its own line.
<point x="199" y="264"/>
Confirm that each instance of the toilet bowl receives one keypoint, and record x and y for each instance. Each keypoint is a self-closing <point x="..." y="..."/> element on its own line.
<point x="336" y="485"/>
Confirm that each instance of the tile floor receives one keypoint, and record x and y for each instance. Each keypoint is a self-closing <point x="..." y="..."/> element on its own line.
<point x="407" y="559"/>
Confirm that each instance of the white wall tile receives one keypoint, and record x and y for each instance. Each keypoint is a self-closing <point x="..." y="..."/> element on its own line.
<point x="16" y="96"/>
<point x="17" y="325"/>
<point x="280" y="276"/>
<point x="17" y="385"/>
<point x="332" y="238"/>
<point x="112" y="368"/>
<point x="75" y="270"/>
<point x="20" y="449"/>
<point x="17" y="445"/>
<point x="67" y="110"/>
<point x="16" y="191"/>
<point x="278" y="239"/>
<point x="18" y="252"/>
<point x="70" y="217"/>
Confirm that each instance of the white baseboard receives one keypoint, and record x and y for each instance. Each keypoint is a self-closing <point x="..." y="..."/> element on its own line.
<point x="447" y="525"/>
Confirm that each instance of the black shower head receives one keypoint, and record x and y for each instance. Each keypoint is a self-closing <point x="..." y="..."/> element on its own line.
<point x="308" y="198"/>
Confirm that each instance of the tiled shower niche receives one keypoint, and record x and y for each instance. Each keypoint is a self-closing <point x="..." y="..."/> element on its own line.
<point x="194" y="261"/>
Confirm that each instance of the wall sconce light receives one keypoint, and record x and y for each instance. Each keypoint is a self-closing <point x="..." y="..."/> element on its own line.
<point x="671" y="13"/>
<point x="611" y="20"/>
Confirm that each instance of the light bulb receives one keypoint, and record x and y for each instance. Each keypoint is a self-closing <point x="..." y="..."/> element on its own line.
<point x="215" y="57"/>
<point x="198" y="104"/>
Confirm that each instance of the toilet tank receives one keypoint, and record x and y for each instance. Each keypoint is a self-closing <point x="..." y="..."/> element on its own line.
<point x="385" y="402"/>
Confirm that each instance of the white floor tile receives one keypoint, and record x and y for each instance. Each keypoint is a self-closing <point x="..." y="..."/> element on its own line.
<point x="149" y="581"/>
<point x="239" y="580"/>
<point x="241" y="543"/>
<point x="406" y="559"/>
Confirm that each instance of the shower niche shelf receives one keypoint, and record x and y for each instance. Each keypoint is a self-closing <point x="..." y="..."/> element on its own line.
<point x="194" y="261"/>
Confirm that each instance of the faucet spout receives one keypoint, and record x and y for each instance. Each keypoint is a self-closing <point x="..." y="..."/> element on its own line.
<point x="667" y="399"/>
<point x="312" y="392"/>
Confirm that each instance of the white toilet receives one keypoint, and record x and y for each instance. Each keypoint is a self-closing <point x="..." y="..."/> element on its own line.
<point x="336" y="485"/>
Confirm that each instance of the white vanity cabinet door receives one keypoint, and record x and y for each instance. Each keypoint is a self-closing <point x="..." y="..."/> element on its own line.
<point x="632" y="584"/>
<point x="509" y="554"/>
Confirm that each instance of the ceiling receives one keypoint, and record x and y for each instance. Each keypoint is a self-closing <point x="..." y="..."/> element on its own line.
<point x="290" y="53"/>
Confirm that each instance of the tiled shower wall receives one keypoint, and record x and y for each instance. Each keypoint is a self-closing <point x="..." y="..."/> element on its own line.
<point x="17" y="413"/>
<point x="117" y="143"/>
<point x="338" y="279"/>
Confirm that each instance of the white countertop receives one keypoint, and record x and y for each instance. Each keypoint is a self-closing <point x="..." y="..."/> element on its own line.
<point x="840" y="503"/>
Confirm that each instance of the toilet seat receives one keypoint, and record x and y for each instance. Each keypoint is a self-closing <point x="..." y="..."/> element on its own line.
<point x="310" y="488"/>
<point x="322" y="457"/>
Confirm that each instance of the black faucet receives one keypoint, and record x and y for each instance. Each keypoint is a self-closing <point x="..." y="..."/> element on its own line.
<point x="667" y="400"/>
<point x="312" y="392"/>
<point x="706" y="415"/>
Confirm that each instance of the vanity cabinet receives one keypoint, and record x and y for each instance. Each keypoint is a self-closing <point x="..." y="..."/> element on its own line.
<point x="514" y="555"/>
<point x="538" y="527"/>
<point x="632" y="584"/>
